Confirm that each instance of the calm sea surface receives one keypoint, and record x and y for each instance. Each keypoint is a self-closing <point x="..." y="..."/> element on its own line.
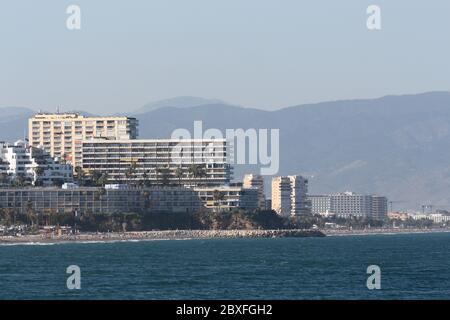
<point x="412" y="267"/>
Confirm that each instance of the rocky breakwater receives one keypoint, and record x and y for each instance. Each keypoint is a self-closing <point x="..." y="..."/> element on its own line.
<point x="208" y="234"/>
<point x="162" y="235"/>
<point x="253" y="233"/>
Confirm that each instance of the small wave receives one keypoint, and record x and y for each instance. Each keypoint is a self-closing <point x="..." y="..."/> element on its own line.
<point x="28" y="244"/>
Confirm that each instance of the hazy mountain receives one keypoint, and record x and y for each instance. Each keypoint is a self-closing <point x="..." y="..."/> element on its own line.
<point x="177" y="102"/>
<point x="398" y="146"/>
<point x="14" y="123"/>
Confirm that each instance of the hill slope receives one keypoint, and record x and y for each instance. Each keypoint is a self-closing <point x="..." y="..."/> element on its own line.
<point x="396" y="145"/>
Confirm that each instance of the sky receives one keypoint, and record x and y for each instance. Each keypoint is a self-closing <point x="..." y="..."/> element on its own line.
<point x="257" y="53"/>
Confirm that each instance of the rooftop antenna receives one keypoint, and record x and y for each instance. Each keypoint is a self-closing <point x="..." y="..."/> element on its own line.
<point x="57" y="110"/>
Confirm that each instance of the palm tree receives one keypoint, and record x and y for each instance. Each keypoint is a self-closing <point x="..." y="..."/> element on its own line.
<point x="197" y="171"/>
<point x="20" y="180"/>
<point x="31" y="214"/>
<point x="218" y="197"/>
<point x="80" y="175"/>
<point x="103" y="179"/>
<point x="131" y="171"/>
<point x="4" y="178"/>
<point x="179" y="174"/>
<point x="165" y="176"/>
<point x="38" y="173"/>
<point x="162" y="175"/>
<point x="95" y="177"/>
<point x="5" y="215"/>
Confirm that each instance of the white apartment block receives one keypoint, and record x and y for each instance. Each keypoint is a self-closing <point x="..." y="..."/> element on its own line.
<point x="350" y="204"/>
<point x="256" y="181"/>
<point x="62" y="135"/>
<point x="320" y="204"/>
<point x="159" y="161"/>
<point x="34" y="164"/>
<point x="289" y="195"/>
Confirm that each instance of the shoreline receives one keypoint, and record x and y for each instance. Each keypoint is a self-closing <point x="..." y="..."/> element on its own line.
<point x="201" y="234"/>
<point x="367" y="232"/>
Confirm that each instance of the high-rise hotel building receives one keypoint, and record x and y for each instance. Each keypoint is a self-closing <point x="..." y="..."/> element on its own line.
<point x="188" y="162"/>
<point x="348" y="204"/>
<point x="289" y="196"/>
<point x="62" y="135"/>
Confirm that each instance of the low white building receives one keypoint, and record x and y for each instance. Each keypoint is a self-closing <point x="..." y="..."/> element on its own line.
<point x="435" y="217"/>
<point x="32" y="164"/>
<point x="229" y="197"/>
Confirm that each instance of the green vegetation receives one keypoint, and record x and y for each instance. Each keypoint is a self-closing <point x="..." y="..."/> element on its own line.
<point x="202" y="220"/>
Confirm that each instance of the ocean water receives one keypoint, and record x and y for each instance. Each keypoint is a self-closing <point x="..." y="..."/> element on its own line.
<point x="414" y="266"/>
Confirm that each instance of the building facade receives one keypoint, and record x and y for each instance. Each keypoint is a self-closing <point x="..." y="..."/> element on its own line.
<point x="184" y="162"/>
<point x="79" y="200"/>
<point x="256" y="181"/>
<point x="61" y="135"/>
<point x="94" y="200"/>
<point x="320" y="204"/>
<point x="229" y="197"/>
<point x="20" y="160"/>
<point x="350" y="204"/>
<point x="289" y="195"/>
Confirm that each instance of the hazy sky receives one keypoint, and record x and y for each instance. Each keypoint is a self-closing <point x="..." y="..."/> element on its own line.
<point x="259" y="53"/>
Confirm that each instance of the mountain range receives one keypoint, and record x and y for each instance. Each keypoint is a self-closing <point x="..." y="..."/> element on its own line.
<point x="396" y="146"/>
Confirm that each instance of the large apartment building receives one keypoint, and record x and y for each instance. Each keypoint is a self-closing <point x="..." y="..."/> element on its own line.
<point x="186" y="162"/>
<point x="350" y="204"/>
<point x="62" y="134"/>
<point x="289" y="195"/>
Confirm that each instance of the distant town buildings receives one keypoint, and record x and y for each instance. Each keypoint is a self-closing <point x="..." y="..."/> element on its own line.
<point x="403" y="216"/>
<point x="435" y="217"/>
<point x="256" y="181"/>
<point x="186" y="162"/>
<point x="62" y="134"/>
<point x="161" y="175"/>
<point x="22" y="161"/>
<point x="349" y="204"/>
<point x="289" y="196"/>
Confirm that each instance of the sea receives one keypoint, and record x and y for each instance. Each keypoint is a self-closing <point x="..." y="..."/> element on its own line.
<point x="411" y="266"/>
